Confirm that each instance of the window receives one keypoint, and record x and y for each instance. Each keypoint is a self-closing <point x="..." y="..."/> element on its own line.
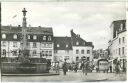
<point x="67" y="51"/>
<point x="14" y="44"/>
<point x="28" y="43"/>
<point x="49" y="38"/>
<point x="55" y="51"/>
<point x="119" y="51"/>
<point x="67" y="57"/>
<point x="66" y="46"/>
<point x="77" y="43"/>
<point x="84" y="43"/>
<point x="119" y="40"/>
<point x="123" y="39"/>
<point x="28" y="36"/>
<point x="88" y="51"/>
<point x="122" y="50"/>
<point x="77" y="51"/>
<point x="58" y="45"/>
<point x="4" y="52"/>
<point x="46" y="53"/>
<point x="50" y="53"/>
<point x="44" y="37"/>
<point x="34" y="44"/>
<point x="4" y="36"/>
<point x="121" y="26"/>
<point x="50" y="45"/>
<point x="43" y="45"/>
<point x="3" y="43"/>
<point x="15" y="36"/>
<point x="77" y="58"/>
<point x="42" y="53"/>
<point x="34" y="52"/>
<point x="116" y="33"/>
<point x="14" y="52"/>
<point x="47" y="44"/>
<point x="82" y="51"/>
<point x="34" y="37"/>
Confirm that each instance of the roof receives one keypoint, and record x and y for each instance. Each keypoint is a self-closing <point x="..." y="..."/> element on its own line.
<point x="11" y="29"/>
<point x="40" y="32"/>
<point x="76" y="38"/>
<point x="18" y="29"/>
<point x="62" y="42"/>
<point x="116" y="27"/>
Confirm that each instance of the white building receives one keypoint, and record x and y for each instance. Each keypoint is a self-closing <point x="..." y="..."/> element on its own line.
<point x="39" y="41"/>
<point x="118" y="42"/>
<point x="72" y="48"/>
<point x="81" y="48"/>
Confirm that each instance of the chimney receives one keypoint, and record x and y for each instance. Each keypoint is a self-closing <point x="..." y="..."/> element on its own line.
<point x="78" y="35"/>
<point x="18" y="25"/>
<point x="71" y="30"/>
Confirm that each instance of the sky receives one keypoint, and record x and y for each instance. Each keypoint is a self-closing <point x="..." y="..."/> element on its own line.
<point x="91" y="20"/>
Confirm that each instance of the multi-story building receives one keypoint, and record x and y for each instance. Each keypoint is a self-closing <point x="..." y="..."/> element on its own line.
<point x="118" y="42"/>
<point x="63" y="50"/>
<point x="39" y="41"/>
<point x="81" y="48"/>
<point x="100" y="54"/>
<point x="72" y="48"/>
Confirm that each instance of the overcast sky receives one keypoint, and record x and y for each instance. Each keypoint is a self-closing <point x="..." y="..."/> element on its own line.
<point x="89" y="19"/>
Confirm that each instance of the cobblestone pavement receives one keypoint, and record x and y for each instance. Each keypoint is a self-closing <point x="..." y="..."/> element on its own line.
<point x="71" y="76"/>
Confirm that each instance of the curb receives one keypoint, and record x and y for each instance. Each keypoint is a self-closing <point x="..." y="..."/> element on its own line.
<point x="28" y="74"/>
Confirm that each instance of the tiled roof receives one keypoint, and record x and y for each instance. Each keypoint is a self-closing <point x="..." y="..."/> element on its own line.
<point x="42" y="30"/>
<point x="62" y="42"/>
<point x="11" y="29"/>
<point x="37" y="30"/>
<point x="81" y="42"/>
<point x="116" y="26"/>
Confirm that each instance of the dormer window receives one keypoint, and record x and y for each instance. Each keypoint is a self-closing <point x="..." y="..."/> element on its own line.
<point x="34" y="37"/>
<point x="49" y="38"/>
<point x="4" y="36"/>
<point x="77" y="43"/>
<point x="15" y="36"/>
<point x="3" y="43"/>
<point x="66" y="46"/>
<point x="58" y="45"/>
<point x="121" y="26"/>
<point x="28" y="36"/>
<point x="44" y="37"/>
<point x="116" y="33"/>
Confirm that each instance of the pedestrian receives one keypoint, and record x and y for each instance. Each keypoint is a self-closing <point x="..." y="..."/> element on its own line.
<point x="76" y="68"/>
<point x="97" y="69"/>
<point x="57" y="68"/>
<point x="64" y="67"/>
<point x="86" y="68"/>
<point x="117" y="67"/>
<point x="110" y="69"/>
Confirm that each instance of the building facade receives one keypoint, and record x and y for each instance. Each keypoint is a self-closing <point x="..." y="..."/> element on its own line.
<point x="118" y="42"/>
<point x="81" y="48"/>
<point x="39" y="41"/>
<point x="72" y="49"/>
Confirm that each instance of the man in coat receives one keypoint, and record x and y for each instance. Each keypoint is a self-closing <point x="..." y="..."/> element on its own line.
<point x="64" y="67"/>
